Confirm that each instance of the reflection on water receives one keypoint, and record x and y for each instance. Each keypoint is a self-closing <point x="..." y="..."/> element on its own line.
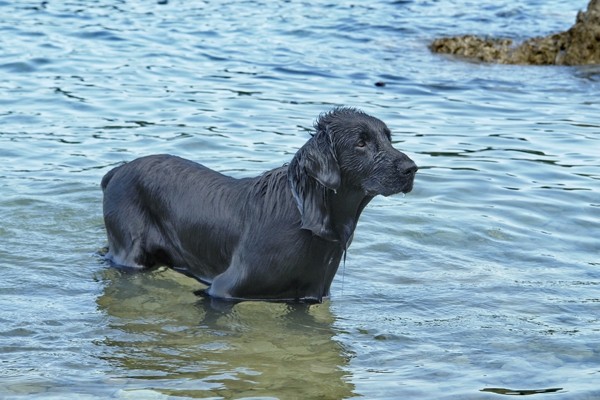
<point x="165" y="338"/>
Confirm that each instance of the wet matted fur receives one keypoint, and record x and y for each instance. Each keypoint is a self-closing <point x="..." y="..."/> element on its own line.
<point x="278" y="236"/>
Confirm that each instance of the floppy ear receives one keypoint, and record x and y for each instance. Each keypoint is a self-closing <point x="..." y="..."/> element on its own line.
<point x="320" y="162"/>
<point x="313" y="173"/>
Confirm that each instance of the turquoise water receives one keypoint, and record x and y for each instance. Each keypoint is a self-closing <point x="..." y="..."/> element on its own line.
<point x="485" y="278"/>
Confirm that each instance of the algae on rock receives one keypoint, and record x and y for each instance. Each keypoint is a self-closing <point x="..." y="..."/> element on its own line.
<point x="576" y="46"/>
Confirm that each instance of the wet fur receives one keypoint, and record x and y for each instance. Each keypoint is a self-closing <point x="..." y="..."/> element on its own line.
<point x="278" y="236"/>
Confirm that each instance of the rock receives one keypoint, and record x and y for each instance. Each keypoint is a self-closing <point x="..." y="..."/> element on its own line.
<point x="579" y="45"/>
<point x="474" y="47"/>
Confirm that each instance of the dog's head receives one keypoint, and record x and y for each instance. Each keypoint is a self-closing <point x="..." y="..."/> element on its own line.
<point x="362" y="149"/>
<point x="350" y="150"/>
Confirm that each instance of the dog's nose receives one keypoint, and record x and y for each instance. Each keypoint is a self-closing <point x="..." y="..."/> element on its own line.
<point x="407" y="167"/>
<point x="411" y="170"/>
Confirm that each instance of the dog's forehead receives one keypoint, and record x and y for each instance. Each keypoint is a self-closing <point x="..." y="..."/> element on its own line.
<point x="346" y="123"/>
<point x="364" y="122"/>
<point x="373" y="126"/>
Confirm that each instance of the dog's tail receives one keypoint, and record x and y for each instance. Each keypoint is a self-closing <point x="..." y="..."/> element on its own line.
<point x="106" y="178"/>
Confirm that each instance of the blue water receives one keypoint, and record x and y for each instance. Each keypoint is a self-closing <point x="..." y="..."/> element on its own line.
<point x="485" y="278"/>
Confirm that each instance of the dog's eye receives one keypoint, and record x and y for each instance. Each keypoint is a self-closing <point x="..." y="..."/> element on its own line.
<point x="361" y="143"/>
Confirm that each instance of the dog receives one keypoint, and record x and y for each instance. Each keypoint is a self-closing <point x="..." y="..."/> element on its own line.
<point x="279" y="236"/>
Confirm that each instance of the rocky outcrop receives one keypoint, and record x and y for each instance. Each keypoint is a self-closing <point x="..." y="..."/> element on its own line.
<point x="579" y="45"/>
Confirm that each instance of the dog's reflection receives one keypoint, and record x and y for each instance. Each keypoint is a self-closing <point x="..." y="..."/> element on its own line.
<point x="163" y="336"/>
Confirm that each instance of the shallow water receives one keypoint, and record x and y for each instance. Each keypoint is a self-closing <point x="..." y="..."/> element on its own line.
<point x="484" y="279"/>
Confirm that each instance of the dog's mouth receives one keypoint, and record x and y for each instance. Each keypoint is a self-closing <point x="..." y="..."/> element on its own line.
<point x="403" y="186"/>
<point x="391" y="183"/>
<point x="408" y="187"/>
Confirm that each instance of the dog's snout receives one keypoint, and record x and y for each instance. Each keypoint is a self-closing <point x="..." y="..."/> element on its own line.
<point x="410" y="169"/>
<point x="405" y="166"/>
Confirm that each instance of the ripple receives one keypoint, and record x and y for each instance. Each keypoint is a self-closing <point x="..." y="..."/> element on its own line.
<point x="97" y="34"/>
<point x="497" y="239"/>
<point x="521" y="392"/>
<point x="18" y="67"/>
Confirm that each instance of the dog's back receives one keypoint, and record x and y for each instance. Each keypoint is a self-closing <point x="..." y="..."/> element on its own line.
<point x="163" y="209"/>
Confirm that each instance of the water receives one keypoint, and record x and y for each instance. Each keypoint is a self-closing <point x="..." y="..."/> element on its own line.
<point x="485" y="278"/>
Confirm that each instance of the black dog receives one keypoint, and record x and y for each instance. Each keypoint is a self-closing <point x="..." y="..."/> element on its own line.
<point x="279" y="236"/>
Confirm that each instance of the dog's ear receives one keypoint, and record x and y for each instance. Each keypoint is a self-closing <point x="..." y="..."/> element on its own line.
<point x="313" y="174"/>
<point x="320" y="162"/>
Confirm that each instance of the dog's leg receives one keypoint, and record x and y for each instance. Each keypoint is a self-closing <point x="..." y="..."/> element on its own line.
<point x="125" y="250"/>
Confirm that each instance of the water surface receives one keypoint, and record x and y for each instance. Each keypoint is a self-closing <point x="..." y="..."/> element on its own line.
<point x="484" y="280"/>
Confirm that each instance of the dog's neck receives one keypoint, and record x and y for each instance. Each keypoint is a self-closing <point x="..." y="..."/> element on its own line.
<point x="346" y="207"/>
<point x="329" y="214"/>
<point x="343" y="208"/>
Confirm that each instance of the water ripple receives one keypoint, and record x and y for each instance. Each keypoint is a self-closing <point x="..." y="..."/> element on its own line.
<point x="497" y="240"/>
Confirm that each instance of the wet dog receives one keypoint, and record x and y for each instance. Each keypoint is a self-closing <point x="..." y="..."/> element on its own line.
<point x="279" y="236"/>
